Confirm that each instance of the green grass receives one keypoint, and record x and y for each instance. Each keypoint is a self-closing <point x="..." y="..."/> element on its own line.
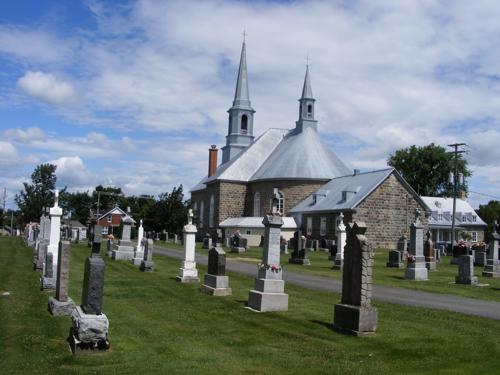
<point x="440" y="281"/>
<point x="160" y="326"/>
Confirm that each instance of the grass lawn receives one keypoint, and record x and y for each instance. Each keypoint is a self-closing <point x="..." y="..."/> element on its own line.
<point x="440" y="281"/>
<point x="160" y="326"/>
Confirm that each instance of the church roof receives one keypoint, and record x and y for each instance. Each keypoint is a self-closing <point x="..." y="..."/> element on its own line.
<point x="280" y="154"/>
<point x="347" y="192"/>
<point x="255" y="222"/>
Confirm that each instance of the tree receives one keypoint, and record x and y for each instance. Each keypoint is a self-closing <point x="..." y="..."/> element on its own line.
<point x="106" y="198"/>
<point x="78" y="205"/>
<point x="427" y="169"/>
<point x="168" y="212"/>
<point x="489" y="213"/>
<point x="38" y="194"/>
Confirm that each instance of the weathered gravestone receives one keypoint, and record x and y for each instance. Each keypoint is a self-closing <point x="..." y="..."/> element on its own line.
<point x="188" y="273"/>
<point x="109" y="250"/>
<point x="492" y="268"/>
<point x="299" y="253"/>
<point x="355" y="315"/>
<point x="48" y="280"/>
<point x="62" y="304"/>
<point x="207" y="242"/>
<point x="402" y="244"/>
<point x="466" y="271"/>
<point x="341" y="241"/>
<point x="89" y="330"/>
<point x="480" y="258"/>
<point x="55" y="230"/>
<point x="430" y="261"/>
<point x="125" y="250"/>
<point x="147" y="264"/>
<point x="415" y="266"/>
<point x="216" y="282"/>
<point x="268" y="293"/>
<point x="41" y="253"/>
<point x="395" y="259"/>
<point x="238" y="243"/>
<point x="139" y="248"/>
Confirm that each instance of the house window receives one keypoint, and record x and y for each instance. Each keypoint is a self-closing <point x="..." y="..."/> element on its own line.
<point x="440" y="217"/>
<point x="474" y="218"/>
<point x="109" y="218"/>
<point x="464" y="219"/>
<point x="248" y="231"/>
<point x="211" y="212"/>
<point x="256" y="204"/>
<point x="201" y="214"/>
<point x="309" y="228"/>
<point x="322" y="226"/>
<point x="244" y="124"/>
<point x="474" y="236"/>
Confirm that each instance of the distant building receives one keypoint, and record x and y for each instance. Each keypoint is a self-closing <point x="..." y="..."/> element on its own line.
<point x="112" y="220"/>
<point x="75" y="229"/>
<point x="466" y="220"/>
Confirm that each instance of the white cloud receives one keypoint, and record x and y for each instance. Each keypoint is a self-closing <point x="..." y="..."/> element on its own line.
<point x="72" y="171"/>
<point x="8" y="152"/>
<point x="25" y="136"/>
<point x="47" y="87"/>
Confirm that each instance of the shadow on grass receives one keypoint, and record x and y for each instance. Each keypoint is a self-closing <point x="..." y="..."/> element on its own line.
<point x="397" y="277"/>
<point x="328" y="325"/>
<point x="242" y="302"/>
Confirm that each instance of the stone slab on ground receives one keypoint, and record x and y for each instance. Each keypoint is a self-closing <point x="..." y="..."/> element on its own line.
<point x="89" y="332"/>
<point x="59" y="308"/>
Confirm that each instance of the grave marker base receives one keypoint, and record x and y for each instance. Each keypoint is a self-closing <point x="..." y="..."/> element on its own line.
<point x="355" y="320"/>
<point x="303" y="261"/>
<point x="89" y="333"/>
<point x="60" y="308"/>
<point x="216" y="285"/>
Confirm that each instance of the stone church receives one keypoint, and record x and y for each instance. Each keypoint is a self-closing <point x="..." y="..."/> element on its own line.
<point x="295" y="161"/>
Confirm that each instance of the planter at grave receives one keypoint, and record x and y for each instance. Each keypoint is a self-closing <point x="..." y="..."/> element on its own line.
<point x="459" y="250"/>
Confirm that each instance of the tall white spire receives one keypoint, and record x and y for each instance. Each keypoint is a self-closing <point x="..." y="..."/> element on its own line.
<point x="241" y="95"/>
<point x="307" y="90"/>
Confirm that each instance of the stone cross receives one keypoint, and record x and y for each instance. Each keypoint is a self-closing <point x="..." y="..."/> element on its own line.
<point x="190" y="216"/>
<point x="354" y="314"/>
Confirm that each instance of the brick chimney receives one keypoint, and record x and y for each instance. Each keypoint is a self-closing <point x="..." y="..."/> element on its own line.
<point x="212" y="160"/>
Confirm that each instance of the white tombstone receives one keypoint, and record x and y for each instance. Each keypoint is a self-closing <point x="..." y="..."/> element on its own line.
<point x="188" y="272"/>
<point x="415" y="268"/>
<point x="55" y="229"/>
<point x="341" y="241"/>
<point x="139" y="249"/>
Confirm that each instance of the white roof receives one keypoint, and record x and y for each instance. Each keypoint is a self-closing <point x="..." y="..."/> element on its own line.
<point x="255" y="222"/>
<point x="442" y="209"/>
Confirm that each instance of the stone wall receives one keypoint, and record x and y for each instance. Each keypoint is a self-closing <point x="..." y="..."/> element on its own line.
<point x="387" y="212"/>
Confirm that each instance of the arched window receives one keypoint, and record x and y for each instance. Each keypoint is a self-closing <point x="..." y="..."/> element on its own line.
<point x="256" y="204"/>
<point x="201" y="214"/>
<point x="244" y="124"/>
<point x="211" y="209"/>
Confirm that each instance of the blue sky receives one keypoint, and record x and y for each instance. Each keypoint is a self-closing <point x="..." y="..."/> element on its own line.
<point x="132" y="94"/>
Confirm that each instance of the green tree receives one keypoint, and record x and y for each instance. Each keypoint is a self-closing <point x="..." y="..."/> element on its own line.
<point x="489" y="213"/>
<point x="168" y="212"/>
<point x="107" y="198"/>
<point x="38" y="194"/>
<point x="427" y="169"/>
<point x="78" y="205"/>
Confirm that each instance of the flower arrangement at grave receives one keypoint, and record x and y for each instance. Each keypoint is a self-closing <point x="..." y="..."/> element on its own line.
<point x="462" y="244"/>
<point x="410" y="257"/>
<point x="272" y="267"/>
<point x="480" y="246"/>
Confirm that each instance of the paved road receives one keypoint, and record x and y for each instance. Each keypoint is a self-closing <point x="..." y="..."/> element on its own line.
<point x="469" y="306"/>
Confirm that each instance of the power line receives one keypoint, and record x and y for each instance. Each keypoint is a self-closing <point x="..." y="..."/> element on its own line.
<point x="486" y="195"/>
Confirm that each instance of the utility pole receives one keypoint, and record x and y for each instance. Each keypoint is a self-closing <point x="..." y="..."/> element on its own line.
<point x="11" y="223"/>
<point x="456" y="151"/>
<point x="3" y="211"/>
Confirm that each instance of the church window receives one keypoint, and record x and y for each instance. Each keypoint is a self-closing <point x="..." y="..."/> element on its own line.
<point x="211" y="212"/>
<point x="309" y="228"/>
<point x="322" y="226"/>
<point x="256" y="204"/>
<point x="244" y="124"/>
<point x="201" y="214"/>
<point x="309" y="110"/>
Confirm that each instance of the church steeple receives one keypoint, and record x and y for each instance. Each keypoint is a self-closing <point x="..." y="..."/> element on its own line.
<point x="306" y="106"/>
<point x="240" y="129"/>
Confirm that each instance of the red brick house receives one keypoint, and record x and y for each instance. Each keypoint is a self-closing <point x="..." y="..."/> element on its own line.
<point x="112" y="220"/>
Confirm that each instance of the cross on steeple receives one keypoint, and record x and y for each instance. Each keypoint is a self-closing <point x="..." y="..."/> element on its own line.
<point x="244" y="33"/>
<point x="308" y="60"/>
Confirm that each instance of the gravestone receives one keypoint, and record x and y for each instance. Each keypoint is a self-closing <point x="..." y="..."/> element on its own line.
<point x="268" y="293"/>
<point x="41" y="253"/>
<point x="415" y="266"/>
<point x="315" y="245"/>
<point x="188" y="273"/>
<point x="333" y="251"/>
<point x="309" y="244"/>
<point x="207" y="242"/>
<point x="284" y="248"/>
<point x="466" y="271"/>
<point x="354" y="314"/>
<point x="62" y="304"/>
<point x="238" y="243"/>
<point x="139" y="249"/>
<point x="147" y="264"/>
<point x="430" y="261"/>
<point x="437" y="255"/>
<point x="492" y="268"/>
<point x="125" y="250"/>
<point x="227" y="242"/>
<point x="48" y="280"/>
<point x="395" y="259"/>
<point x="109" y="250"/>
<point x="402" y="244"/>
<point x="341" y="241"/>
<point x="216" y="282"/>
<point x="55" y="230"/>
<point x="299" y="253"/>
<point x="89" y="330"/>
<point x="480" y="258"/>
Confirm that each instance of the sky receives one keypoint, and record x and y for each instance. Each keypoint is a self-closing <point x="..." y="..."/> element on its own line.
<point x="133" y="93"/>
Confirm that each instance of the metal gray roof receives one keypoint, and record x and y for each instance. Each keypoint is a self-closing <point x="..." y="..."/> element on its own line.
<point x="441" y="212"/>
<point x="301" y="155"/>
<point x="255" y="222"/>
<point x="307" y="92"/>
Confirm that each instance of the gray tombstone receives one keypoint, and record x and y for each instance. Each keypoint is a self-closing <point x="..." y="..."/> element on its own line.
<point x="215" y="282"/>
<point x="147" y="264"/>
<point x="355" y="315"/>
<point x="415" y="267"/>
<point x="430" y="261"/>
<point x="466" y="271"/>
<point x="207" y="242"/>
<point x="41" y="253"/>
<point x="480" y="258"/>
<point x="48" y="280"/>
<point x="299" y="253"/>
<point x="402" y="244"/>
<point x="89" y="330"/>
<point x="125" y="250"/>
<point x="268" y="293"/>
<point x="492" y="268"/>
<point x="238" y="243"/>
<point x="395" y="259"/>
<point x="62" y="304"/>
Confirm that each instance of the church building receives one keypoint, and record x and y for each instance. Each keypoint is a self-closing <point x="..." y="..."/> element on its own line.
<point x="295" y="161"/>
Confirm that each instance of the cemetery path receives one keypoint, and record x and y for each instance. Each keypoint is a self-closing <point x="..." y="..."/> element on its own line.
<point x="399" y="296"/>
